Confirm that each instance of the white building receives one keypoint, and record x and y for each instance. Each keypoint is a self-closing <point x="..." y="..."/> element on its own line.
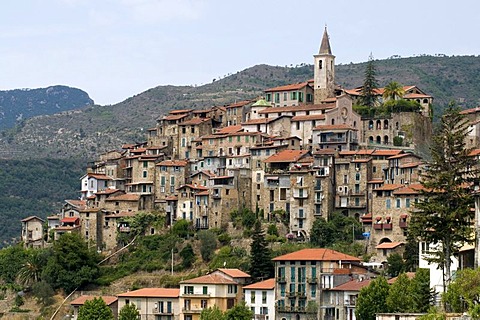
<point x="153" y="303"/>
<point x="260" y="298"/>
<point x="92" y="183"/>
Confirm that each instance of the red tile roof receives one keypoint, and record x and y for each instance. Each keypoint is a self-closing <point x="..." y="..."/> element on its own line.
<point x="153" y="293"/>
<point x="180" y="111"/>
<point x="410" y="275"/>
<point x="410" y="165"/>
<point x="405" y="190"/>
<point x="107" y="191"/>
<point x="286" y="156"/>
<point x="229" y="129"/>
<point x="324" y="127"/>
<point x="288" y="87"/>
<point x="474" y="152"/>
<point x="194" y="121"/>
<point x="98" y="176"/>
<point x="262" y="285"/>
<point x="239" y="104"/>
<point x="389" y="187"/>
<point x="354" y="285"/>
<point x="386" y="152"/>
<point x="81" y="300"/>
<point x="469" y="111"/>
<point x="175" y="117"/>
<point x="316" y="255"/>
<point x="325" y="151"/>
<point x="173" y="163"/>
<point x="70" y="219"/>
<point x="32" y="218"/>
<point x="389" y="245"/>
<point x="209" y="279"/>
<point x="171" y="198"/>
<point x="234" y="273"/>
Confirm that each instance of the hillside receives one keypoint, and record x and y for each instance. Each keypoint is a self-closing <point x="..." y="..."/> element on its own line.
<point x="95" y="129"/>
<point x="21" y="104"/>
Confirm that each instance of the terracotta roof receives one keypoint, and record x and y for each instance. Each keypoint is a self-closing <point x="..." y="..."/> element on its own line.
<point x="309" y="117"/>
<point x="202" y="193"/>
<point x="303" y="107"/>
<point x="389" y="187"/>
<point x="262" y="285"/>
<point x="286" y="156"/>
<point x="353" y="285"/>
<point x="98" y="176"/>
<point x="235" y="273"/>
<point x="193" y="187"/>
<point x="316" y="255"/>
<point x="361" y="160"/>
<point x="474" y="152"/>
<point x="325" y="151"/>
<point x="180" y="111"/>
<point x="222" y="177"/>
<point x="171" y="198"/>
<point x="416" y="96"/>
<point x="77" y="203"/>
<point x="239" y="104"/>
<point x="468" y="111"/>
<point x="194" y="121"/>
<point x="258" y="121"/>
<point x="386" y="152"/>
<point x="288" y="87"/>
<point x="376" y="181"/>
<point x="125" y="197"/>
<point x="229" y="129"/>
<point x="153" y="292"/>
<point x="324" y="127"/>
<point x="81" y="300"/>
<point x="31" y="218"/>
<point x="70" y="219"/>
<point x="389" y="245"/>
<point x="107" y="191"/>
<point x="175" y="117"/>
<point x="173" y="163"/>
<point x="209" y="279"/>
<point x="405" y="190"/>
<point x="410" y="165"/>
<point x="410" y="275"/>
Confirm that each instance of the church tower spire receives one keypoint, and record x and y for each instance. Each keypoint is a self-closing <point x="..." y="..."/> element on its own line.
<point x="324" y="71"/>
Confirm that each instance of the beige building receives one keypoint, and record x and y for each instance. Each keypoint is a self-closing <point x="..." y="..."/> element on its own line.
<point x="290" y="95"/>
<point x="221" y="288"/>
<point x="32" y="232"/>
<point x="153" y="303"/>
<point x="110" y="301"/>
<point x="307" y="276"/>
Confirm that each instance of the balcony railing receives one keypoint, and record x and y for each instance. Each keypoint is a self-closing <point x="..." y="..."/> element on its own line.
<point x="403" y="224"/>
<point x="162" y="312"/>
<point x="387" y="226"/>
<point x="377" y="226"/>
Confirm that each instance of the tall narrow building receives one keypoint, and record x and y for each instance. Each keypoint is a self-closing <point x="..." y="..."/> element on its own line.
<point x="324" y="71"/>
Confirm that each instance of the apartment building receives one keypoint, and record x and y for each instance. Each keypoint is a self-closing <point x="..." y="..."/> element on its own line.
<point x="260" y="298"/>
<point x="153" y="303"/>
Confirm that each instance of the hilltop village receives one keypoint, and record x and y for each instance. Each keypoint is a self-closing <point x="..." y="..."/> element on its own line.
<point x="302" y="150"/>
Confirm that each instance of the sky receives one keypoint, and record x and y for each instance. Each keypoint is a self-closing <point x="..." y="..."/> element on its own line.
<point x="115" y="49"/>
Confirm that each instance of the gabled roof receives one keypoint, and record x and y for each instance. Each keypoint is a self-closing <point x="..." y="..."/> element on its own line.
<point x="173" y="163"/>
<point x="268" y="284"/>
<point x="213" y="278"/>
<point x="469" y="111"/>
<point x="405" y="190"/>
<point x="153" y="293"/>
<point x="234" y="273"/>
<point x="175" y="117"/>
<point x="289" y="87"/>
<point x="97" y="176"/>
<point x="229" y="129"/>
<point x="180" y="111"/>
<point x="70" y="219"/>
<point x="389" y="245"/>
<point x="286" y="156"/>
<point x="81" y="300"/>
<point x="316" y="255"/>
<point x="32" y="218"/>
<point x="353" y="285"/>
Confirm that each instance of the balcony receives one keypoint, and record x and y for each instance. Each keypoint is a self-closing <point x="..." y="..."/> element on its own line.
<point x="281" y="280"/>
<point x="403" y="224"/>
<point x="387" y="226"/>
<point x="158" y="311"/>
<point x="191" y="311"/>
<point x="196" y="295"/>
<point x="377" y="226"/>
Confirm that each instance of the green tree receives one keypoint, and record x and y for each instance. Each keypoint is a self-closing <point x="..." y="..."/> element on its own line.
<point x="322" y="233"/>
<point x="463" y="293"/>
<point x="372" y="299"/>
<point x="370" y="84"/>
<point x="129" y="312"/>
<point x="11" y="260"/>
<point x="95" y="309"/>
<point x="400" y="297"/>
<point x="188" y="256"/>
<point x="443" y="216"/>
<point x="183" y="229"/>
<point x="31" y="269"/>
<point x="261" y="265"/>
<point x="212" y="313"/>
<point x="395" y="265"/>
<point x="208" y="244"/>
<point x="72" y="263"/>
<point x="239" y="312"/>
<point x="420" y="291"/>
<point x="393" y="91"/>
<point x="43" y="292"/>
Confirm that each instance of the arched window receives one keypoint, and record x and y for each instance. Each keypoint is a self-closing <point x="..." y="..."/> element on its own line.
<point x="396" y="125"/>
<point x="425" y="101"/>
<point x="333" y="121"/>
<point x="370" y="125"/>
<point x="370" y="139"/>
<point x="385" y="124"/>
<point x="320" y="64"/>
<point x="379" y="124"/>
<point x="379" y="139"/>
<point x="385" y="140"/>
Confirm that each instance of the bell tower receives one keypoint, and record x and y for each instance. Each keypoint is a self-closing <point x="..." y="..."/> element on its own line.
<point x="324" y="71"/>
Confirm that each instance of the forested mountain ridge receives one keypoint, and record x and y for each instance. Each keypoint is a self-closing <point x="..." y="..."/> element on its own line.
<point x="21" y="104"/>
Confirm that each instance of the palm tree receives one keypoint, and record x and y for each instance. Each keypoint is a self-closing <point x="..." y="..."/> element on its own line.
<point x="30" y="271"/>
<point x="393" y="91"/>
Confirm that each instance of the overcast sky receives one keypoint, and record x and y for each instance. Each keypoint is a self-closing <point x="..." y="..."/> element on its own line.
<point x="114" y="49"/>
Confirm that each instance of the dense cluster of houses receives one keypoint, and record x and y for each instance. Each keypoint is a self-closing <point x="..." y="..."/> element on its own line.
<point x="301" y="150"/>
<point x="311" y="282"/>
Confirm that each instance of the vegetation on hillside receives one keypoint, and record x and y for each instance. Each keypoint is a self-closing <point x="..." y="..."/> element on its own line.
<point x="35" y="187"/>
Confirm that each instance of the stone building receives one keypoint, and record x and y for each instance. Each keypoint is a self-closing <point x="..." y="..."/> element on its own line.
<point x="32" y="232"/>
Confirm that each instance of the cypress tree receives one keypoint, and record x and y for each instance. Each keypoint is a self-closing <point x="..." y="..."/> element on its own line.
<point x="261" y="265"/>
<point x="369" y="84"/>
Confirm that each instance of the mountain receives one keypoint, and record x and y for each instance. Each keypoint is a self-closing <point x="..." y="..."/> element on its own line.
<point x="21" y="104"/>
<point x="94" y="129"/>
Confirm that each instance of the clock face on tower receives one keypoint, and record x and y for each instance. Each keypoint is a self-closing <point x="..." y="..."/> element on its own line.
<point x="344" y="113"/>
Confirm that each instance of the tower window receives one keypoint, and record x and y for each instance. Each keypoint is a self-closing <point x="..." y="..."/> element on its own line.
<point x="320" y="64"/>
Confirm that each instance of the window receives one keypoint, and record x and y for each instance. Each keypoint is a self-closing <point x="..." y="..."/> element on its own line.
<point x="203" y="304"/>
<point x="398" y="203"/>
<point x="204" y="289"/>
<point x="283" y="193"/>
<point x="277" y="97"/>
<point x="407" y="202"/>
<point x="387" y="203"/>
<point x="188" y="290"/>
<point x="144" y="174"/>
<point x="232" y="288"/>
<point x="252" y="297"/>
<point x="293" y="95"/>
<point x="264" y="297"/>
<point x="145" y="164"/>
